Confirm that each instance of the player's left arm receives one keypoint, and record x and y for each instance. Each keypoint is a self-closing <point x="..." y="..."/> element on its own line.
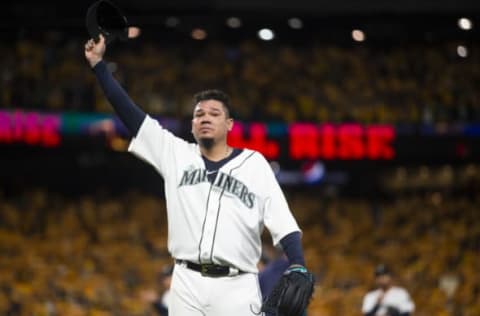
<point x="293" y="292"/>
<point x="292" y="247"/>
<point x="280" y="220"/>
<point x="407" y="306"/>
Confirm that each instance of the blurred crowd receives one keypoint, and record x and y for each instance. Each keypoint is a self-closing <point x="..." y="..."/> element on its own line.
<point x="432" y="244"/>
<point x="89" y="255"/>
<point x="101" y="254"/>
<point x="407" y="82"/>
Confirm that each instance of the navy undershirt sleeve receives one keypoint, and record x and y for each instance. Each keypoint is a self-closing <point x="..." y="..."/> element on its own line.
<point x="130" y="114"/>
<point x="292" y="246"/>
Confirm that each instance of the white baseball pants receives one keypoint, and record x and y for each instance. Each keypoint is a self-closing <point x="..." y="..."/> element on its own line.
<point x="192" y="294"/>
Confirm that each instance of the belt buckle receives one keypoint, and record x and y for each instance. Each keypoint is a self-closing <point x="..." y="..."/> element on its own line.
<point x="204" y="269"/>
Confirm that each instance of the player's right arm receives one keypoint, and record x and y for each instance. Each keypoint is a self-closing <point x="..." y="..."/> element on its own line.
<point x="130" y="114"/>
<point x="150" y="141"/>
<point x="371" y="304"/>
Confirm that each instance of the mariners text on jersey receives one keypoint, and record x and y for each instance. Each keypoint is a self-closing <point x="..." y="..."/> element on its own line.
<point x="223" y="181"/>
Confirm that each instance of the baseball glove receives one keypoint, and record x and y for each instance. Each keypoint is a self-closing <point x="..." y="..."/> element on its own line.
<point x="292" y="293"/>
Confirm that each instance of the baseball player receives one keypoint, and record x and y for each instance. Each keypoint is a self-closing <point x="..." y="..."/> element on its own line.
<point x="219" y="199"/>
<point x="387" y="299"/>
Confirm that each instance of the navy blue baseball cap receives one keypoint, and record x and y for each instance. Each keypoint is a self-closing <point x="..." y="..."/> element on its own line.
<point x="103" y="17"/>
<point x="382" y="269"/>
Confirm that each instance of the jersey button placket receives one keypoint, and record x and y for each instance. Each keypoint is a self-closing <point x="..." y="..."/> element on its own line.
<point x="208" y="236"/>
<point x="209" y="230"/>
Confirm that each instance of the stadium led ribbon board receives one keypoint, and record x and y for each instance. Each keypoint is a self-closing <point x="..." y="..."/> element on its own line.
<point x="277" y="141"/>
<point x="302" y="140"/>
<point x="318" y="141"/>
<point x="31" y="128"/>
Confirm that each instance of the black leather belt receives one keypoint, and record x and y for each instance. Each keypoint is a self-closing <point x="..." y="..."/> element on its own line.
<point x="210" y="269"/>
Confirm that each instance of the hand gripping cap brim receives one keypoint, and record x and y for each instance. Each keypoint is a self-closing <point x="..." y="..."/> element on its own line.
<point x="103" y="17"/>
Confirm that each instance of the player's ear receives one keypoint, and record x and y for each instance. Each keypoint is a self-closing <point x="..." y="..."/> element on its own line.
<point x="229" y="124"/>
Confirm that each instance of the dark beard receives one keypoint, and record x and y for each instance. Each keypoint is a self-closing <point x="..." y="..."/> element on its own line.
<point x="206" y="143"/>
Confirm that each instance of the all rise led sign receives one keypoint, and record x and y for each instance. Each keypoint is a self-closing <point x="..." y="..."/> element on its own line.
<point x="297" y="141"/>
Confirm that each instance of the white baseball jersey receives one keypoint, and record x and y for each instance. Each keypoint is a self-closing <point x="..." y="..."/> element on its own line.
<point x="396" y="297"/>
<point x="219" y="222"/>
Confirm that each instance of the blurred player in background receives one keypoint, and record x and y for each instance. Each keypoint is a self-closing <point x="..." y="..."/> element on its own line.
<point x="387" y="299"/>
<point x="162" y="303"/>
<point x="274" y="265"/>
